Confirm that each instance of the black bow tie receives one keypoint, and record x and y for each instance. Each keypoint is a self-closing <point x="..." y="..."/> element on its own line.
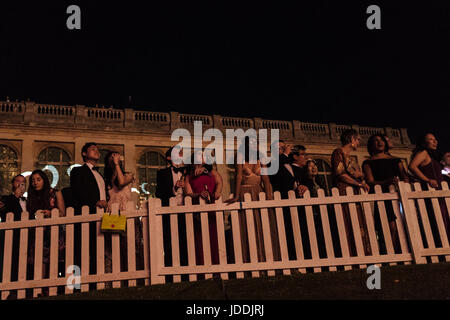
<point x="179" y="169"/>
<point x="95" y="168"/>
<point x="22" y="198"/>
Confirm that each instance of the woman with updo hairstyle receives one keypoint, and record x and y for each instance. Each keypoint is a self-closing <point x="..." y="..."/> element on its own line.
<point x="385" y="170"/>
<point x="347" y="173"/>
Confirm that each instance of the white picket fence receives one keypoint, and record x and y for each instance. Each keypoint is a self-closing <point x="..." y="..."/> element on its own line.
<point x="420" y="240"/>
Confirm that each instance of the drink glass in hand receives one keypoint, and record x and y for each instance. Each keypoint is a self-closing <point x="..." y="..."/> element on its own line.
<point x="20" y="190"/>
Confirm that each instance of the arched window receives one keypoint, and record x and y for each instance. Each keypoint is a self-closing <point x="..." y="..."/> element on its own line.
<point x="9" y="167"/>
<point x="101" y="161"/>
<point x="148" y="164"/>
<point x="55" y="162"/>
<point x="324" y="177"/>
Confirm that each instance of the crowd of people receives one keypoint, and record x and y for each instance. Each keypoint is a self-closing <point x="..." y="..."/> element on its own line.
<point x="87" y="188"/>
<point x="297" y="173"/>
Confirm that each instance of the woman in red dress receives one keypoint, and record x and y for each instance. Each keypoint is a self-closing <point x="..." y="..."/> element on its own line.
<point x="204" y="182"/>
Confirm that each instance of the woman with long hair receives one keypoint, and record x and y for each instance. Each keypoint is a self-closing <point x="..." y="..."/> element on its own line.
<point x="118" y="183"/>
<point x="426" y="166"/>
<point x="43" y="198"/>
<point x="250" y="180"/>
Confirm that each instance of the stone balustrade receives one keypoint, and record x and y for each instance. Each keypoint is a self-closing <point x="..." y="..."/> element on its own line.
<point x="132" y="120"/>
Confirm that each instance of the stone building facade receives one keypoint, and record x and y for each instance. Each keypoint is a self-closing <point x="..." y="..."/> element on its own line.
<point x="50" y="137"/>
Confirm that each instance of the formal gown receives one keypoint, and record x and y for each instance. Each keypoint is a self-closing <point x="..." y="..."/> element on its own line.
<point x="198" y="185"/>
<point x="433" y="170"/>
<point x="343" y="164"/>
<point x="384" y="169"/>
<point x="121" y="197"/>
<point x="32" y="208"/>
<point x="251" y="183"/>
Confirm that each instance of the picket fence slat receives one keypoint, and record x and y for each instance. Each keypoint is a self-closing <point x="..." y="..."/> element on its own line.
<point x="221" y="240"/>
<point x="23" y="255"/>
<point x="131" y="243"/>
<point x="312" y="232"/>
<point x="85" y="257"/>
<point x="100" y="254"/>
<point x="399" y="222"/>
<point x="235" y="227"/>
<point x="341" y="228"/>
<point x="69" y="243"/>
<point x="7" y="253"/>
<point x="146" y="245"/>
<point x="175" y="239"/>
<point x="267" y="235"/>
<point x="250" y="218"/>
<point x="190" y="238"/>
<point x="369" y="215"/>
<point x="355" y="223"/>
<point x="282" y="233"/>
<point x="440" y="222"/>
<point x="38" y="252"/>
<point x="326" y="229"/>
<point x="54" y="246"/>
<point x="296" y="231"/>
<point x="206" y="244"/>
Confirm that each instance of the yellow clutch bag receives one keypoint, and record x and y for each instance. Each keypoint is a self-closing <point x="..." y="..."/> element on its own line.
<point x="113" y="223"/>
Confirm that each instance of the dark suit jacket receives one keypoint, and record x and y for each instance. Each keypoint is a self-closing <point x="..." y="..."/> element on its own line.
<point x="12" y="204"/>
<point x="282" y="181"/>
<point x="85" y="191"/>
<point x="164" y="185"/>
<point x="447" y="178"/>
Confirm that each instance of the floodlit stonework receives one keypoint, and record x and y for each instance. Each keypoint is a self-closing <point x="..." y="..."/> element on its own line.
<point x="42" y="134"/>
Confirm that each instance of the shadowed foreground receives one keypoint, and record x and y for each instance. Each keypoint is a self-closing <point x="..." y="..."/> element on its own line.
<point x="430" y="281"/>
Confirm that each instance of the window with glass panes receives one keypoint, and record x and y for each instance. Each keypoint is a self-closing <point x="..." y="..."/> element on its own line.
<point x="55" y="162"/>
<point x="101" y="161"/>
<point x="148" y="164"/>
<point x="324" y="177"/>
<point x="9" y="167"/>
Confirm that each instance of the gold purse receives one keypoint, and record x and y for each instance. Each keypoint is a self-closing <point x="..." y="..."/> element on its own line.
<point x="113" y="223"/>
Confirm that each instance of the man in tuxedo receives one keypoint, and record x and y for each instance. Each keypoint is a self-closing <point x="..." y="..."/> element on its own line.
<point x="170" y="183"/>
<point x="87" y="184"/>
<point x="15" y="203"/>
<point x="282" y="179"/>
<point x="170" y="180"/>
<point x="88" y="189"/>
<point x="288" y="178"/>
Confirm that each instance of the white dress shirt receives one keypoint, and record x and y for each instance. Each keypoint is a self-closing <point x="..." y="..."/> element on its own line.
<point x="23" y="204"/>
<point x="100" y="181"/>
<point x="177" y="176"/>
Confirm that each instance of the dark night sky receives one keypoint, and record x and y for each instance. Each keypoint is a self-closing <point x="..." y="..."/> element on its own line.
<point x="313" y="61"/>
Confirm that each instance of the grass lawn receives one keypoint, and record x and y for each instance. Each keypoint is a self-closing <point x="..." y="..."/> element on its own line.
<point x="429" y="281"/>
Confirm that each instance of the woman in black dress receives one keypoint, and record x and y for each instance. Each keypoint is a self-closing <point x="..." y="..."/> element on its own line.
<point x="383" y="169"/>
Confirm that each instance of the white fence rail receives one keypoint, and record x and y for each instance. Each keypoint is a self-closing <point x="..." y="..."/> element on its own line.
<point x="311" y="234"/>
